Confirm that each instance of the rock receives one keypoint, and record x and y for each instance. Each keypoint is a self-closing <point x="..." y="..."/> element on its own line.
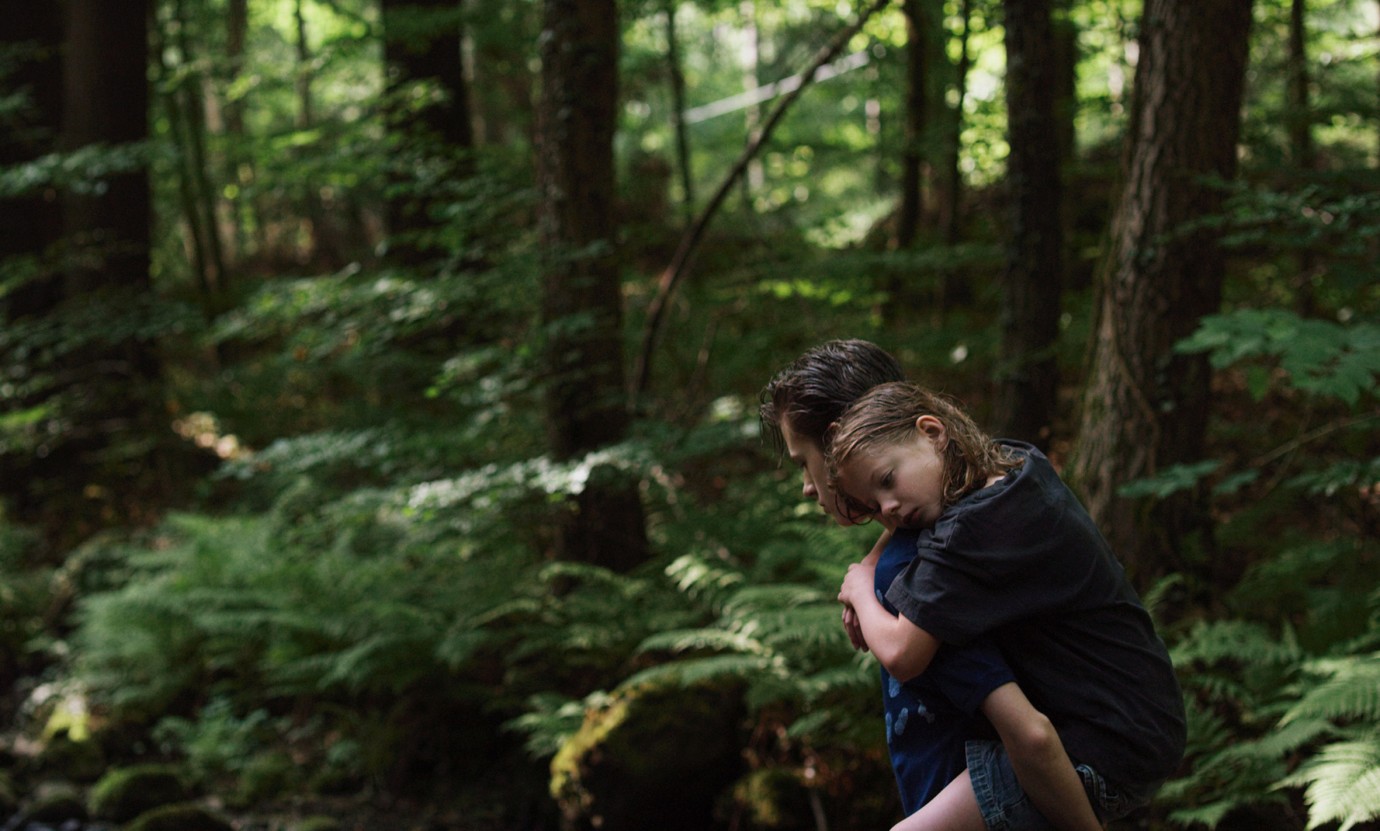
<point x="53" y="805"/>
<point x="67" y="758"/>
<point x="265" y="777"/>
<point x="655" y="757"/>
<point x="125" y="793"/>
<point x="181" y="817"/>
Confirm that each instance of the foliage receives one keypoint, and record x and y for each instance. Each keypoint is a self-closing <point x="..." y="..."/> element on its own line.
<point x="365" y="581"/>
<point x="1302" y="711"/>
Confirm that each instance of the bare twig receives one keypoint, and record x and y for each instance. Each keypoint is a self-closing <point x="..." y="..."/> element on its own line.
<point x="690" y="241"/>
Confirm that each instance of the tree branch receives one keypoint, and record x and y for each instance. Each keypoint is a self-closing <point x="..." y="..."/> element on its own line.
<point x="689" y="243"/>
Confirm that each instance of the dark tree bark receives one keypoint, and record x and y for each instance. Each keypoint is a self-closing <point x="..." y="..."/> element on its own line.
<point x="1028" y="375"/>
<point x="677" y="112"/>
<point x="1145" y="408"/>
<point x="956" y="289"/>
<point x="30" y="225"/>
<point x="1301" y="149"/>
<point x="912" y="156"/>
<point x="422" y="41"/>
<point x="33" y="221"/>
<point x="116" y="450"/>
<point x="586" y="401"/>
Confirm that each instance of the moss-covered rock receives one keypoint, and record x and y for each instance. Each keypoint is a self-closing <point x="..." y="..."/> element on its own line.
<point x="266" y="776"/>
<point x="66" y="758"/>
<point x="9" y="797"/>
<point x="319" y="823"/>
<point x="654" y="757"/>
<point x="125" y="793"/>
<point x="772" y="798"/>
<point x="53" y="804"/>
<point x="181" y="817"/>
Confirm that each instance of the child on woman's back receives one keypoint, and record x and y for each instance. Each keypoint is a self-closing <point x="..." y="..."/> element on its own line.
<point x="929" y="720"/>
<point x="1006" y="551"/>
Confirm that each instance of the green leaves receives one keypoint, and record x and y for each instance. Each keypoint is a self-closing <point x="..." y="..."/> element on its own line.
<point x="1318" y="357"/>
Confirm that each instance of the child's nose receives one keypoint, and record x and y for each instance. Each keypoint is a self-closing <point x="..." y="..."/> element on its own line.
<point x="808" y="489"/>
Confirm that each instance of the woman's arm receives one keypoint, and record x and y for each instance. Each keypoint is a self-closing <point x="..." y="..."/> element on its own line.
<point x="902" y="647"/>
<point x="1038" y="757"/>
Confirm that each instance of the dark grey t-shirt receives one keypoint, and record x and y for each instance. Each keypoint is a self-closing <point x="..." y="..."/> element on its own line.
<point x="1021" y="560"/>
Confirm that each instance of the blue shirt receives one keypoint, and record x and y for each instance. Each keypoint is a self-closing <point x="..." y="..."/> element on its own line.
<point x="930" y="718"/>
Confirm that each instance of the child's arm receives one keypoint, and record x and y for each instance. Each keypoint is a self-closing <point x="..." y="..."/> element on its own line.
<point x="850" y="617"/>
<point x="1038" y="757"/>
<point x="902" y="647"/>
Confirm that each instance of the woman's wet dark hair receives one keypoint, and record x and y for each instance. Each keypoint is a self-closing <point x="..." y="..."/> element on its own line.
<point x="814" y="390"/>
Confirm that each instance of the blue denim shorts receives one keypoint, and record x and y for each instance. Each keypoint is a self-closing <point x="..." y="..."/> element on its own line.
<point x="1005" y="807"/>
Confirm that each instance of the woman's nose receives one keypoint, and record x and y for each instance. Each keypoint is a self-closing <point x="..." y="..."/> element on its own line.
<point x="808" y="488"/>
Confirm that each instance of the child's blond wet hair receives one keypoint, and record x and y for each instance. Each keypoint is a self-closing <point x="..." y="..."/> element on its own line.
<point x="886" y="416"/>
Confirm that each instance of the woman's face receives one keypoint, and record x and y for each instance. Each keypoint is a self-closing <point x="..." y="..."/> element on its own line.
<point x="807" y="455"/>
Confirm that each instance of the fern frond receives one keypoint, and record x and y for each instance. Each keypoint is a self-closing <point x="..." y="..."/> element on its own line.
<point x="702" y="578"/>
<point x="1342" y="783"/>
<point x="686" y="640"/>
<point x="692" y="671"/>
<point x="1352" y="691"/>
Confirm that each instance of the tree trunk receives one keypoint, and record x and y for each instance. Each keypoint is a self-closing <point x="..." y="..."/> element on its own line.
<point x="956" y="289"/>
<point x="912" y="159"/>
<point x="1145" y="408"/>
<point x="1028" y="376"/>
<point x="422" y="40"/>
<point x="31" y="223"/>
<point x="117" y="410"/>
<point x="687" y="198"/>
<point x="586" y="401"/>
<point x="1301" y="150"/>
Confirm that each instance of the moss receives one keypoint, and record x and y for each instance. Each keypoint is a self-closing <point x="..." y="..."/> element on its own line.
<point x="180" y="817"/>
<point x="654" y="756"/>
<point x="321" y="823"/>
<point x="265" y="777"/>
<point x="125" y="793"/>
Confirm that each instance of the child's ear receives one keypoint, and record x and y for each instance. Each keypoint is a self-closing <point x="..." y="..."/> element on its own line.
<point x="932" y="428"/>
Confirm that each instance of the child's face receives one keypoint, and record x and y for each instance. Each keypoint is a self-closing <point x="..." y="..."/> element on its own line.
<point x="814" y="471"/>
<point x="900" y="484"/>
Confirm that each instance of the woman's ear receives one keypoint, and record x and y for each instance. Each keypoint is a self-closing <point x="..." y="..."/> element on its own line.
<point x="933" y="429"/>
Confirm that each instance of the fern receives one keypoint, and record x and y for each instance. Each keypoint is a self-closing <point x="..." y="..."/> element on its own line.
<point x="1350" y="692"/>
<point x="1341" y="782"/>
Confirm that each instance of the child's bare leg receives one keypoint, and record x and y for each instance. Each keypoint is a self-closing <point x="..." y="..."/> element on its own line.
<point x="953" y="809"/>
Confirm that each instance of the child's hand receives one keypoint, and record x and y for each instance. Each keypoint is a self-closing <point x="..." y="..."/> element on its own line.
<point x="858" y="584"/>
<point x="854" y="629"/>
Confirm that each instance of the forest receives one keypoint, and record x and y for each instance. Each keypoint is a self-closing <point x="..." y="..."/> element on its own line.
<point x="379" y="388"/>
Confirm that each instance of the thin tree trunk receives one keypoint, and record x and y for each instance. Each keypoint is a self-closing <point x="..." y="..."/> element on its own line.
<point x="678" y="113"/>
<point x="1301" y="150"/>
<point x="955" y="288"/>
<point x="322" y="237"/>
<point x="237" y="207"/>
<point x="1145" y="407"/>
<point x="912" y="159"/>
<point x="690" y="240"/>
<point x="586" y="399"/>
<point x="1028" y="375"/>
<point x="756" y="177"/>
